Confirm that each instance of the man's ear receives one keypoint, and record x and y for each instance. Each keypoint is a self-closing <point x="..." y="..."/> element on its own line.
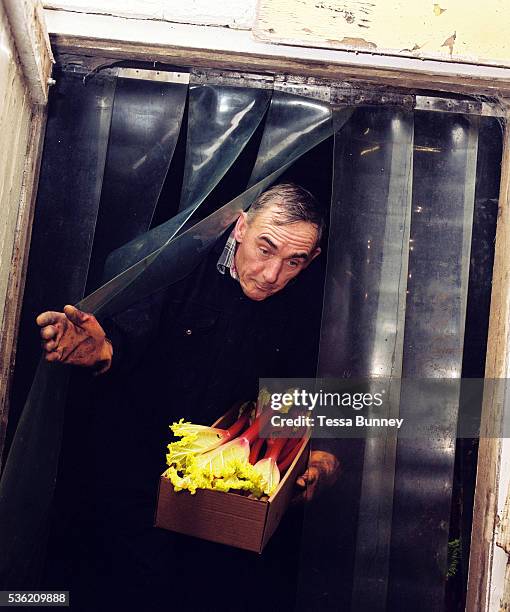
<point x="241" y="227"/>
<point x="315" y="253"/>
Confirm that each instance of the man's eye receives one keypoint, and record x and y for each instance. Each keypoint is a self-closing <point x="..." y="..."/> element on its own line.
<point x="263" y="251"/>
<point x="293" y="263"/>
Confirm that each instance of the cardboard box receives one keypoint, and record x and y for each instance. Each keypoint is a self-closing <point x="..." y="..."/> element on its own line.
<point x="228" y="518"/>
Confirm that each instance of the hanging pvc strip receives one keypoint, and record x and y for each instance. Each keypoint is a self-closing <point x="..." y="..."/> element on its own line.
<point x="369" y="230"/>
<point x="445" y="157"/>
<point x="221" y="120"/>
<point x="179" y="255"/>
<point x="383" y="322"/>
<point x="28" y="480"/>
<point x="174" y="260"/>
<point x="145" y="127"/>
<point x="68" y="197"/>
<point x="362" y="338"/>
<point x="309" y="119"/>
<point x="31" y="465"/>
<point x="291" y="122"/>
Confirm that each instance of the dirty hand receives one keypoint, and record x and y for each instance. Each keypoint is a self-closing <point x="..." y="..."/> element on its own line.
<point x="76" y="338"/>
<point x="322" y="472"/>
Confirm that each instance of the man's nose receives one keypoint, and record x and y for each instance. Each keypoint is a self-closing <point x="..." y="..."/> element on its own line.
<point x="271" y="271"/>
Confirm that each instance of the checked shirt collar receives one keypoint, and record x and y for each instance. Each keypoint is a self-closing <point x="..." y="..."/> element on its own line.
<point x="226" y="260"/>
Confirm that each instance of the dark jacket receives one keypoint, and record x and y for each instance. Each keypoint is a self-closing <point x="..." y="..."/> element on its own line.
<point x="189" y="352"/>
<point x="194" y="349"/>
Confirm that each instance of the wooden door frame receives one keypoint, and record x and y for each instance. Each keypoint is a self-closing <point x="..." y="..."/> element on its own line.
<point x="32" y="51"/>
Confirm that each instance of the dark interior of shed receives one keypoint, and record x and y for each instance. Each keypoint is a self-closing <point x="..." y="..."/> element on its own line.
<point x="70" y="242"/>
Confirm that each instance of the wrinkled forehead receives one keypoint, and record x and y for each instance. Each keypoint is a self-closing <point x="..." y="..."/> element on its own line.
<point x="271" y="221"/>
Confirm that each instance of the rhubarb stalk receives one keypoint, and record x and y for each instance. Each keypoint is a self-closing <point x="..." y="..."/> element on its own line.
<point x="238" y="448"/>
<point x="198" y="439"/>
<point x="255" y="450"/>
<point x="268" y="467"/>
<point x="286" y="461"/>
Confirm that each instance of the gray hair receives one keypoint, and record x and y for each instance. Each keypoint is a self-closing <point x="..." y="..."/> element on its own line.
<point x="295" y="204"/>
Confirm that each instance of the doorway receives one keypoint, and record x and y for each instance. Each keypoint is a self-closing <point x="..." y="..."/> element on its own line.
<point x="412" y="197"/>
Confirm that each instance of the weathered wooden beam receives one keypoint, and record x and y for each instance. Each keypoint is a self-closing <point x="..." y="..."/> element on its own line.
<point x="19" y="261"/>
<point x="497" y="367"/>
<point x="28" y="27"/>
<point x="25" y="69"/>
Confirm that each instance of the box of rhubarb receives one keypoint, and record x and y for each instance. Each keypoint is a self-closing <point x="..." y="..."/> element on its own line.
<point x="227" y="483"/>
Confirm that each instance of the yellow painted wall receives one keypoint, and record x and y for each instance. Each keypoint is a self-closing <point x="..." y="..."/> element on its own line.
<point x="460" y="30"/>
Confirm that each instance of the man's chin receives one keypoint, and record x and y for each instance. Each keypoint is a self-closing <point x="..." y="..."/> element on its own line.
<point x="255" y="293"/>
<point x="257" y="296"/>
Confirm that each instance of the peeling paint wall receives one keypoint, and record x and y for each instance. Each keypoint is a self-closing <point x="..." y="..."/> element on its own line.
<point x="15" y="119"/>
<point x="499" y="595"/>
<point x="238" y="14"/>
<point x="459" y="30"/>
<point x="25" y="65"/>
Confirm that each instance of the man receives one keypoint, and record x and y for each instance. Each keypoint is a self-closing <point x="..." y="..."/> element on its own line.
<point x="195" y="348"/>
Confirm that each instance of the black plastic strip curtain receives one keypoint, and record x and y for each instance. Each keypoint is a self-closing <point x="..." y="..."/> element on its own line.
<point x="170" y="255"/>
<point x="385" y="353"/>
<point x="73" y="163"/>
<point x="445" y="156"/>
<point x="362" y="338"/>
<point x="292" y="122"/>
<point x="145" y="127"/>
<point x="221" y="121"/>
<point x="398" y="258"/>
<point x="158" y="259"/>
<point x="369" y="296"/>
<point x="66" y="210"/>
<point x="298" y="123"/>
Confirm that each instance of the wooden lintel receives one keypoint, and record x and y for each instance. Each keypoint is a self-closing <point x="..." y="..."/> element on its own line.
<point x="210" y="58"/>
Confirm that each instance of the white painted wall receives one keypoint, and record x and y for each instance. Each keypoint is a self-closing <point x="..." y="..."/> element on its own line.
<point x="25" y="67"/>
<point x="238" y="14"/>
<point x="15" y="116"/>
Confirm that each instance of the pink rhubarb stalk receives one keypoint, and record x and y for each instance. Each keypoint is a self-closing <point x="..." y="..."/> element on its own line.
<point x="199" y="439"/>
<point x="268" y="466"/>
<point x="288" y="448"/>
<point x="237" y="447"/>
<point x="286" y="461"/>
<point x="255" y="450"/>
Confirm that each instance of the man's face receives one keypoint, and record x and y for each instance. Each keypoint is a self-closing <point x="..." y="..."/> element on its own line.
<point x="268" y="255"/>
